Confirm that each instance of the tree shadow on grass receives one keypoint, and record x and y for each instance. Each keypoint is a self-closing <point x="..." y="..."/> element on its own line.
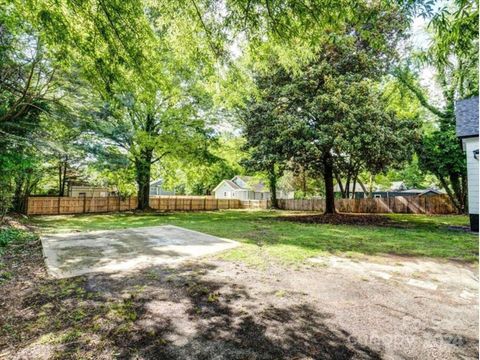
<point x="176" y="313"/>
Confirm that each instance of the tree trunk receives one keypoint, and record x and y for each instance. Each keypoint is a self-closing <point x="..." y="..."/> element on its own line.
<point x="60" y="182"/>
<point x="354" y="187"/>
<point x="143" y="166"/>
<point x="450" y="194"/>
<point x="455" y="181"/>
<point x="304" y="183"/>
<point x="370" y="186"/>
<point x="347" y="188"/>
<point x="328" y="179"/>
<point x="62" y="177"/>
<point x="18" y="196"/>
<point x="365" y="192"/>
<point x="340" y="185"/>
<point x="272" y="182"/>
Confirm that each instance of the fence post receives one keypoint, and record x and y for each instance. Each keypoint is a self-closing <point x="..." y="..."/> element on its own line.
<point x="58" y="205"/>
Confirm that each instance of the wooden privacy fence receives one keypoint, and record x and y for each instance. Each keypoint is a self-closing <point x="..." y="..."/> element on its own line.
<point x="435" y="204"/>
<point x="79" y="205"/>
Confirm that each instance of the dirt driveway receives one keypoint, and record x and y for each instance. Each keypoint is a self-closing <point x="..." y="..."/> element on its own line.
<point x="336" y="308"/>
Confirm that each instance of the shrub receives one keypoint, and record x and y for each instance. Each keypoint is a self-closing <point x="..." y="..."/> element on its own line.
<point x="10" y="235"/>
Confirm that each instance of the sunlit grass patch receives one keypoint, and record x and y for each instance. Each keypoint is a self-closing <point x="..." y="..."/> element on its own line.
<point x="265" y="239"/>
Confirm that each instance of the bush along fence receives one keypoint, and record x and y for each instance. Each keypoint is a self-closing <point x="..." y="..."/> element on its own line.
<point x="437" y="204"/>
<point x="81" y="205"/>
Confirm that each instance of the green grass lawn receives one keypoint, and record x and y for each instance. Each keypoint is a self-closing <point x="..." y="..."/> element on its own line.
<point x="263" y="237"/>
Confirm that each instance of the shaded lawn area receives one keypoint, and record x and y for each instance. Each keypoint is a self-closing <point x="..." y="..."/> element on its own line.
<point x="267" y="239"/>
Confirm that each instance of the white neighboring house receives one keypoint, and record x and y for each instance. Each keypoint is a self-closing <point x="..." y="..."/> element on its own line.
<point x="246" y="188"/>
<point x="466" y="112"/>
<point x="88" y="191"/>
<point x="156" y="188"/>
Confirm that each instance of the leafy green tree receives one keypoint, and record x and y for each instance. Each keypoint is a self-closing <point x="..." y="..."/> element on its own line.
<point x="199" y="176"/>
<point x="328" y="113"/>
<point x="153" y="101"/>
<point x="144" y="136"/>
<point x="23" y="82"/>
<point x="454" y="55"/>
<point x="266" y="141"/>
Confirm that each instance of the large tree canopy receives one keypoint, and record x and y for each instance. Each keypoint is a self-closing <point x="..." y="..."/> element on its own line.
<point x="327" y="116"/>
<point x="112" y="91"/>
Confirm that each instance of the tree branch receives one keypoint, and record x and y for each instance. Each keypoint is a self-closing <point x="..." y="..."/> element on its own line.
<point x="160" y="157"/>
<point x="420" y="96"/>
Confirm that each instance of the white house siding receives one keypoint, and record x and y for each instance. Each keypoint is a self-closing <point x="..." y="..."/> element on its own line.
<point x="158" y="190"/>
<point x="248" y="195"/>
<point x="224" y="192"/>
<point x="469" y="145"/>
<point x="87" y="191"/>
<point x="242" y="194"/>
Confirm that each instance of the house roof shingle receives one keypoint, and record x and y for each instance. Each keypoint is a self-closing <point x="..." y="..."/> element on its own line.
<point x="466" y="112"/>
<point x="232" y="184"/>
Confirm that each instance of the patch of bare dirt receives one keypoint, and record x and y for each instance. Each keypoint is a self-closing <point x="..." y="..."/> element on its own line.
<point x="208" y="309"/>
<point x="341" y="219"/>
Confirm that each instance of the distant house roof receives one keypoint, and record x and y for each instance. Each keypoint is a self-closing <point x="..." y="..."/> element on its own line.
<point x="158" y="182"/>
<point x="230" y="183"/>
<point x="413" y="191"/>
<point x="253" y="183"/>
<point x="466" y="112"/>
<point x="421" y="192"/>
<point x="435" y="191"/>
<point x="244" y="177"/>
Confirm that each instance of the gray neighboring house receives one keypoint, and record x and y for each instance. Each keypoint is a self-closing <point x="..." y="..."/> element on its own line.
<point x="466" y="112"/>
<point x="156" y="188"/>
<point x="246" y="188"/>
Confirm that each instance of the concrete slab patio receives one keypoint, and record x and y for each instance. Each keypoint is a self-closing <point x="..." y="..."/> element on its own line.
<point x="124" y="250"/>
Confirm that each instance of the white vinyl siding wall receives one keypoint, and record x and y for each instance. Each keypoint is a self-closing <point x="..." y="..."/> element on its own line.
<point x="224" y="192"/>
<point x="87" y="191"/>
<point x="471" y="144"/>
<point x="158" y="190"/>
